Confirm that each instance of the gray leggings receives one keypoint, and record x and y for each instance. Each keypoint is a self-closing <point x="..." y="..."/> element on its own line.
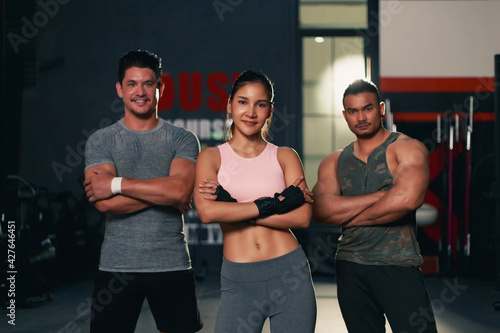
<point x="280" y="289"/>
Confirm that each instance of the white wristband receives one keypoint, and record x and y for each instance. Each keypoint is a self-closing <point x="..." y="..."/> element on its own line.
<point x="116" y="185"/>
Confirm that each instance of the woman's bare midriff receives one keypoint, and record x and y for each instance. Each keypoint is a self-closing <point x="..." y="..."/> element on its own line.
<point x="244" y="243"/>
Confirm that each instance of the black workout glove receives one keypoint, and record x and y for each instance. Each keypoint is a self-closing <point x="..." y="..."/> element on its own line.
<point x="223" y="195"/>
<point x="266" y="206"/>
<point x="293" y="197"/>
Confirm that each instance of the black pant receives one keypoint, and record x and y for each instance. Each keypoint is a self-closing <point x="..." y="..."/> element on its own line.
<point x="117" y="301"/>
<point x="367" y="292"/>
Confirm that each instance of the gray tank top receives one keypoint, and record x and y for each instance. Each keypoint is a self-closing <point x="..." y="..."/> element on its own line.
<point x="387" y="244"/>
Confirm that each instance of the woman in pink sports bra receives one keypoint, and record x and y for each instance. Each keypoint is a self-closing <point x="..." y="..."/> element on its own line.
<point x="256" y="191"/>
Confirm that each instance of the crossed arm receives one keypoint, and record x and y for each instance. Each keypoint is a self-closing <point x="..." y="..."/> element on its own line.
<point x="174" y="190"/>
<point x="211" y="211"/>
<point x="410" y="182"/>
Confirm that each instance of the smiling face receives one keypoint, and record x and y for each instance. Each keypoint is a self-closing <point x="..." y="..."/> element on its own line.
<point x="363" y="114"/>
<point x="138" y="91"/>
<point x="250" y="107"/>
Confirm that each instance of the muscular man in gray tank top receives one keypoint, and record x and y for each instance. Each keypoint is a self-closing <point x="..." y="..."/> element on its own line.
<point x="372" y="189"/>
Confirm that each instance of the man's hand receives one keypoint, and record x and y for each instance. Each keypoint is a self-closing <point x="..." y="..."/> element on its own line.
<point x="184" y="207"/>
<point x="98" y="186"/>
<point x="208" y="188"/>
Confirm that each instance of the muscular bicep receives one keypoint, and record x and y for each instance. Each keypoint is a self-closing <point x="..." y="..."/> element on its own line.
<point x="89" y="172"/>
<point x="412" y="175"/>
<point x="185" y="171"/>
<point x="410" y="182"/>
<point x="330" y="206"/>
<point x="326" y="191"/>
<point x="327" y="183"/>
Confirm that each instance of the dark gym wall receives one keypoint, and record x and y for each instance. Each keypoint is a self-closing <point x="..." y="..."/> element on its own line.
<point x="202" y="44"/>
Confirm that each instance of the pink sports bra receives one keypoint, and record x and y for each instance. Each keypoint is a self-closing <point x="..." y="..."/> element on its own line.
<point x="247" y="179"/>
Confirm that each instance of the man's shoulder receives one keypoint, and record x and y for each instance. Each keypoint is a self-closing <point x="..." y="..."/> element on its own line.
<point x="177" y="130"/>
<point x="332" y="158"/>
<point x="173" y="127"/>
<point x="405" y="140"/>
<point x="403" y="137"/>
<point x="181" y="139"/>
<point x="405" y="143"/>
<point x="107" y="130"/>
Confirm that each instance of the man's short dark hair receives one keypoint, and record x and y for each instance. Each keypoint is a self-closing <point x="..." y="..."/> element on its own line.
<point x="141" y="59"/>
<point x="360" y="86"/>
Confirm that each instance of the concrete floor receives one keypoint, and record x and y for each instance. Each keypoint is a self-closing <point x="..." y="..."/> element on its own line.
<point x="460" y="305"/>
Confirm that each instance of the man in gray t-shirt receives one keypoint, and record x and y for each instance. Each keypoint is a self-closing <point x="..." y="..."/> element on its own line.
<point x="140" y="172"/>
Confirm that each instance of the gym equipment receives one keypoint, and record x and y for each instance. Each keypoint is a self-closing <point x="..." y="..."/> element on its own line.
<point x="30" y="236"/>
<point x="426" y="215"/>
<point x="468" y="169"/>
<point x="449" y="219"/>
<point x="389" y="118"/>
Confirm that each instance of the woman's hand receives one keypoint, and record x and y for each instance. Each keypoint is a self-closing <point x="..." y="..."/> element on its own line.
<point x="214" y="191"/>
<point x="307" y="194"/>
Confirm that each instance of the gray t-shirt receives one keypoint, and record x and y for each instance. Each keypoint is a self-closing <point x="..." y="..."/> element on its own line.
<point x="152" y="239"/>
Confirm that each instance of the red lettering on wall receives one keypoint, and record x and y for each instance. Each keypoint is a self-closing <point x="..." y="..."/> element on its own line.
<point x="235" y="76"/>
<point x="216" y="83"/>
<point x="168" y="97"/>
<point x="189" y="91"/>
<point x="190" y="94"/>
